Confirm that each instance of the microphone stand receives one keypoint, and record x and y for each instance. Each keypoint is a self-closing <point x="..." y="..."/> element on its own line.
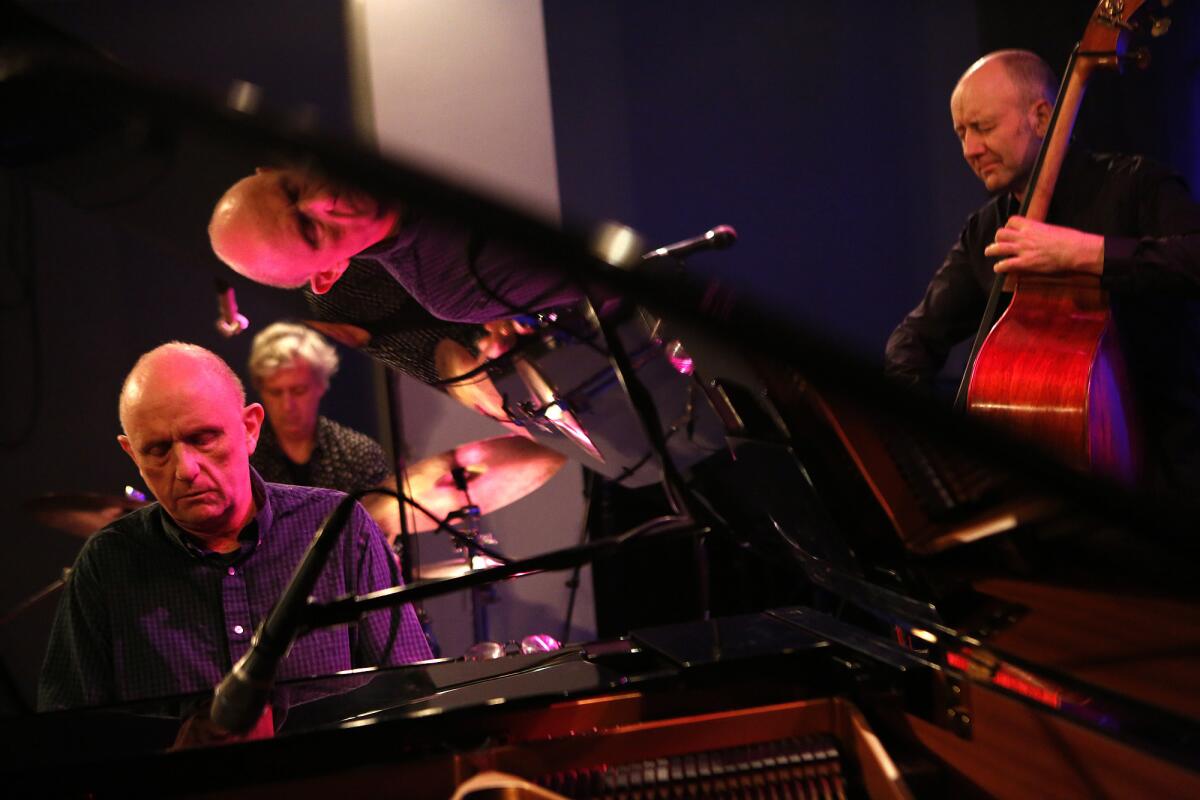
<point x="481" y="597"/>
<point x="239" y="699"/>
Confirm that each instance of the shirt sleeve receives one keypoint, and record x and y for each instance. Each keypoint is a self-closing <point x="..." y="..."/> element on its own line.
<point x="947" y="314"/>
<point x="389" y="636"/>
<point x="78" y="668"/>
<point x="1168" y="258"/>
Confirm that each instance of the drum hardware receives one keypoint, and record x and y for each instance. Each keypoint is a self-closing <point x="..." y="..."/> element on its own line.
<point x="674" y="350"/>
<point x="560" y="385"/>
<point x="497" y="471"/>
<point x="32" y="599"/>
<point x="534" y="643"/>
<point x="481" y="596"/>
<point x="82" y="513"/>
<point x="460" y="485"/>
<point x="455" y="567"/>
<point x="469" y="560"/>
<point x="553" y="413"/>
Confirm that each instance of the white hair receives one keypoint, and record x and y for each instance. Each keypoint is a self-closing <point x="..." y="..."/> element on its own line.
<point x="282" y="344"/>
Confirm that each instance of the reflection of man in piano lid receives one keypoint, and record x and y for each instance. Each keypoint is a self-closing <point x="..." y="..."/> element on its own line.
<point x="290" y="228"/>
<point x="164" y="600"/>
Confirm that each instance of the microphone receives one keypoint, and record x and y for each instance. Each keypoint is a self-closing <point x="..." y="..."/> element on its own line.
<point x="230" y="322"/>
<point x="718" y="238"/>
<point x="239" y="698"/>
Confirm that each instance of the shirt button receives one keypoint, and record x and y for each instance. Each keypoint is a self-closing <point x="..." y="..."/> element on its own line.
<point x="232" y="571"/>
<point x="238" y="629"/>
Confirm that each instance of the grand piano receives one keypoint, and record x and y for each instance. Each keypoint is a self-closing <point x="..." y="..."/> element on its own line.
<point x="944" y="613"/>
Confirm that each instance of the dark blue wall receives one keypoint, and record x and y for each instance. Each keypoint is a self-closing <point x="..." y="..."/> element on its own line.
<point x="821" y="135"/>
<point x="820" y="131"/>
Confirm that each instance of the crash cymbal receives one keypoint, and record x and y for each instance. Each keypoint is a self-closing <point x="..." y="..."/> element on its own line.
<point x="79" y="513"/>
<point x="496" y="472"/>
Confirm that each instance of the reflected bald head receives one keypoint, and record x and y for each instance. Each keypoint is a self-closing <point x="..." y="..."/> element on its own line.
<point x="166" y="365"/>
<point x="287" y="227"/>
<point x="241" y="233"/>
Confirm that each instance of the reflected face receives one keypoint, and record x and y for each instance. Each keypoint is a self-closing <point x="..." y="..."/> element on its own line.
<point x="191" y="440"/>
<point x="291" y="396"/>
<point x="1000" y="130"/>
<point x="288" y="227"/>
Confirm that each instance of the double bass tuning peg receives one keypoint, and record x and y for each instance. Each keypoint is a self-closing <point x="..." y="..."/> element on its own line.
<point x="1160" y="25"/>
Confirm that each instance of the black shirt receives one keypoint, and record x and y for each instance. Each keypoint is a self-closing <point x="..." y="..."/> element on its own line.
<point x="149" y="612"/>
<point x="1151" y="229"/>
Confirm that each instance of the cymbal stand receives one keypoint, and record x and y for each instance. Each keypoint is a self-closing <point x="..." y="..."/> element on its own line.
<point x="481" y="596"/>
<point x="45" y="591"/>
<point x="7" y="682"/>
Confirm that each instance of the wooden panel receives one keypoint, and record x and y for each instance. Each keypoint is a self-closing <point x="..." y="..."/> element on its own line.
<point x="1145" y="647"/>
<point x="1018" y="751"/>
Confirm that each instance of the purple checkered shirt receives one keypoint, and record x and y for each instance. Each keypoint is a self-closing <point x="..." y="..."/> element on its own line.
<point x="147" y="612"/>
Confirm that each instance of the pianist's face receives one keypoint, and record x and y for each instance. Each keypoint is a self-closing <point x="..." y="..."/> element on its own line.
<point x="288" y="227"/>
<point x="190" y="435"/>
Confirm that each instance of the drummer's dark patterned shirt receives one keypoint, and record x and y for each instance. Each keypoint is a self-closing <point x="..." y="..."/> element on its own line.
<point x="149" y="613"/>
<point x="342" y="459"/>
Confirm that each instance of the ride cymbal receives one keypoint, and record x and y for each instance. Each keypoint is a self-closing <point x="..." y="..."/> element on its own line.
<point x="490" y="474"/>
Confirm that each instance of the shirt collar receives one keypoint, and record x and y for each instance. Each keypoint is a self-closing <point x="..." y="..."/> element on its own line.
<point x="249" y="538"/>
<point x="402" y="240"/>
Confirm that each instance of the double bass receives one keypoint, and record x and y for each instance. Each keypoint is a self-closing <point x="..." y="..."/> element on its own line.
<point x="1051" y="369"/>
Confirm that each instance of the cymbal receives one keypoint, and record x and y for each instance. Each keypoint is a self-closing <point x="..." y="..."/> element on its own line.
<point x="79" y="513"/>
<point x="496" y="471"/>
<point x="453" y="568"/>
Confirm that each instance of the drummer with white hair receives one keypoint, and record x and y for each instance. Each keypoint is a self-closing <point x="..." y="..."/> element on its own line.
<point x="290" y="367"/>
